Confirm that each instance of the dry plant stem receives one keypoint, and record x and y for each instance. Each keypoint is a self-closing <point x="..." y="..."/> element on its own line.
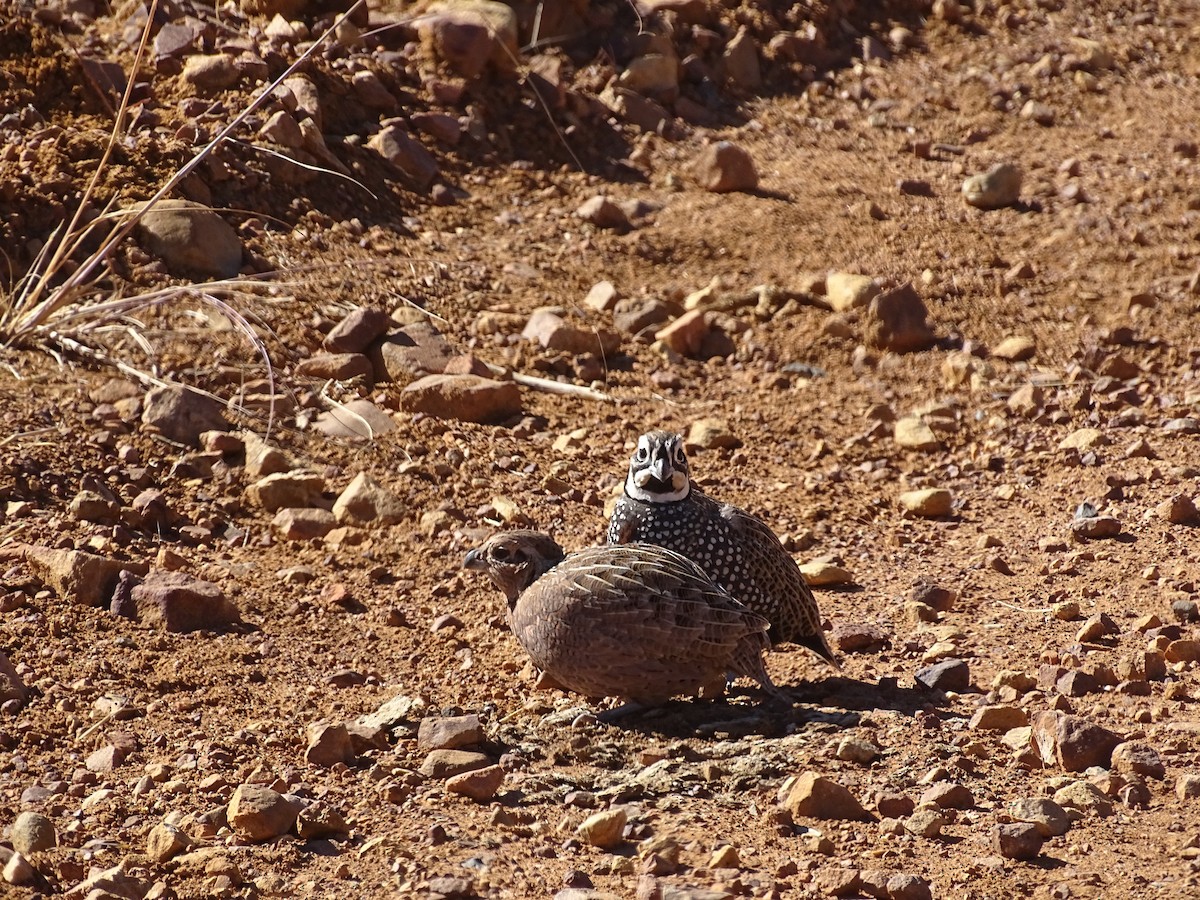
<point x="549" y="385"/>
<point x="125" y="306"/>
<point x="29" y="312"/>
<point x="28" y="307"/>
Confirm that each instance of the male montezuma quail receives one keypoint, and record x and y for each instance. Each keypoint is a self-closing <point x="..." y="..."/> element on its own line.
<point x="638" y="622"/>
<point x="739" y="552"/>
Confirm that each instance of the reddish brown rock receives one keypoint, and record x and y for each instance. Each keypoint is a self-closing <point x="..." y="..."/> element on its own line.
<point x="441" y="127"/>
<point x="998" y="718"/>
<point x="467" y="364"/>
<point x="77" y="576"/>
<point x="286" y="490"/>
<point x="465" y="397"/>
<point x="337" y="367"/>
<point x="686" y="334"/>
<point x="178" y="602"/>
<point x="407" y="154"/>
<point x="258" y="813"/>
<point x="1072" y="742"/>
<point x="896" y="321"/>
<point x="468" y="35"/>
<point x="447" y="763"/>
<point x="182" y="415"/>
<point x="367" y="502"/>
<point x="479" y="785"/>
<point x="449" y="732"/>
<point x="603" y="213"/>
<point x="328" y="743"/>
<point x="948" y="795"/>
<point x="723" y="167"/>
<point x="210" y="73"/>
<point x="1017" y="840"/>
<point x="165" y="842"/>
<point x="357" y="329"/>
<point x="1131" y="758"/>
<point x="553" y="332"/>
<point x="820" y="798"/>
<point x="858" y="638"/>
<point x="105" y="759"/>
<point x="320" y="820"/>
<point x="303" y="524"/>
<point x="11" y="685"/>
<point x="416" y="349"/>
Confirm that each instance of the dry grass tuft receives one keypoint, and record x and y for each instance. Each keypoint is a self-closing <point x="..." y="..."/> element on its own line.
<point x="60" y="306"/>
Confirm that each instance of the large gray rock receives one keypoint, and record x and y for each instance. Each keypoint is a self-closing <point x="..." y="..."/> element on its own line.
<point x="32" y="832"/>
<point x="182" y="415"/>
<point x="191" y="239"/>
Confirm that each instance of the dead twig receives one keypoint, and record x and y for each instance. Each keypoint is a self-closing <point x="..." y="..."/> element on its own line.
<point x="549" y="385"/>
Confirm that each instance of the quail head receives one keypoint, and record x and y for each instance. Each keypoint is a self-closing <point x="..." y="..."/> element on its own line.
<point x="638" y="622"/>
<point x="660" y="505"/>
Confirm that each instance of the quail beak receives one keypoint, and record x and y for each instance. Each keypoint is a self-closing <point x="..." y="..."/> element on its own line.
<point x="474" y="561"/>
<point x="659" y="476"/>
<point x="661" y="470"/>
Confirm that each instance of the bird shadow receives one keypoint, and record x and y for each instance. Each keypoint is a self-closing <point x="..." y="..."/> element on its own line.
<point x="832" y="703"/>
<point x="852" y="694"/>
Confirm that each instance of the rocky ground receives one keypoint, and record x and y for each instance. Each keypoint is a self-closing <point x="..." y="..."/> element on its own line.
<point x="930" y="310"/>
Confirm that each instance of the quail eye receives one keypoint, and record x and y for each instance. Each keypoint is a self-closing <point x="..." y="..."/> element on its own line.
<point x="500" y="553"/>
<point x="680" y="459"/>
<point x="641" y="454"/>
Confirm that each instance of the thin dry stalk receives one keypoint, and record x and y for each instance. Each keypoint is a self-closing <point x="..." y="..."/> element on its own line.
<point x="37" y="308"/>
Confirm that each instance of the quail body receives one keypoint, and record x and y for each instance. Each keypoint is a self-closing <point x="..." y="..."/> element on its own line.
<point x="660" y="505"/>
<point x="638" y="622"/>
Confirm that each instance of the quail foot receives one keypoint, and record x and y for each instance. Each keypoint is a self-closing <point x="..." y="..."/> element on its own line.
<point x="660" y="505"/>
<point x="637" y="622"/>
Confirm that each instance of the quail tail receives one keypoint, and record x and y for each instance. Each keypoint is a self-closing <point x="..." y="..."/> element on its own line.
<point x="748" y="662"/>
<point x="819" y="645"/>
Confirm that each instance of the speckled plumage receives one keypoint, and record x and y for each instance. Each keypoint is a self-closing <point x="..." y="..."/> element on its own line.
<point x="738" y="551"/>
<point x="634" y="621"/>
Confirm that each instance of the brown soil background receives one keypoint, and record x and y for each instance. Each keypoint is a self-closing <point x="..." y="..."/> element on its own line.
<point x="1111" y="270"/>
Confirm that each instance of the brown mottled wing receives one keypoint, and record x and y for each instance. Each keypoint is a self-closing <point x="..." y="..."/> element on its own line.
<point x="795" y="614"/>
<point x="634" y="621"/>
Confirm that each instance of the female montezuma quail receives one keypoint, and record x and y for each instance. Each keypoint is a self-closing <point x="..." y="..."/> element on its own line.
<point x="738" y="551"/>
<point x="636" y="621"/>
